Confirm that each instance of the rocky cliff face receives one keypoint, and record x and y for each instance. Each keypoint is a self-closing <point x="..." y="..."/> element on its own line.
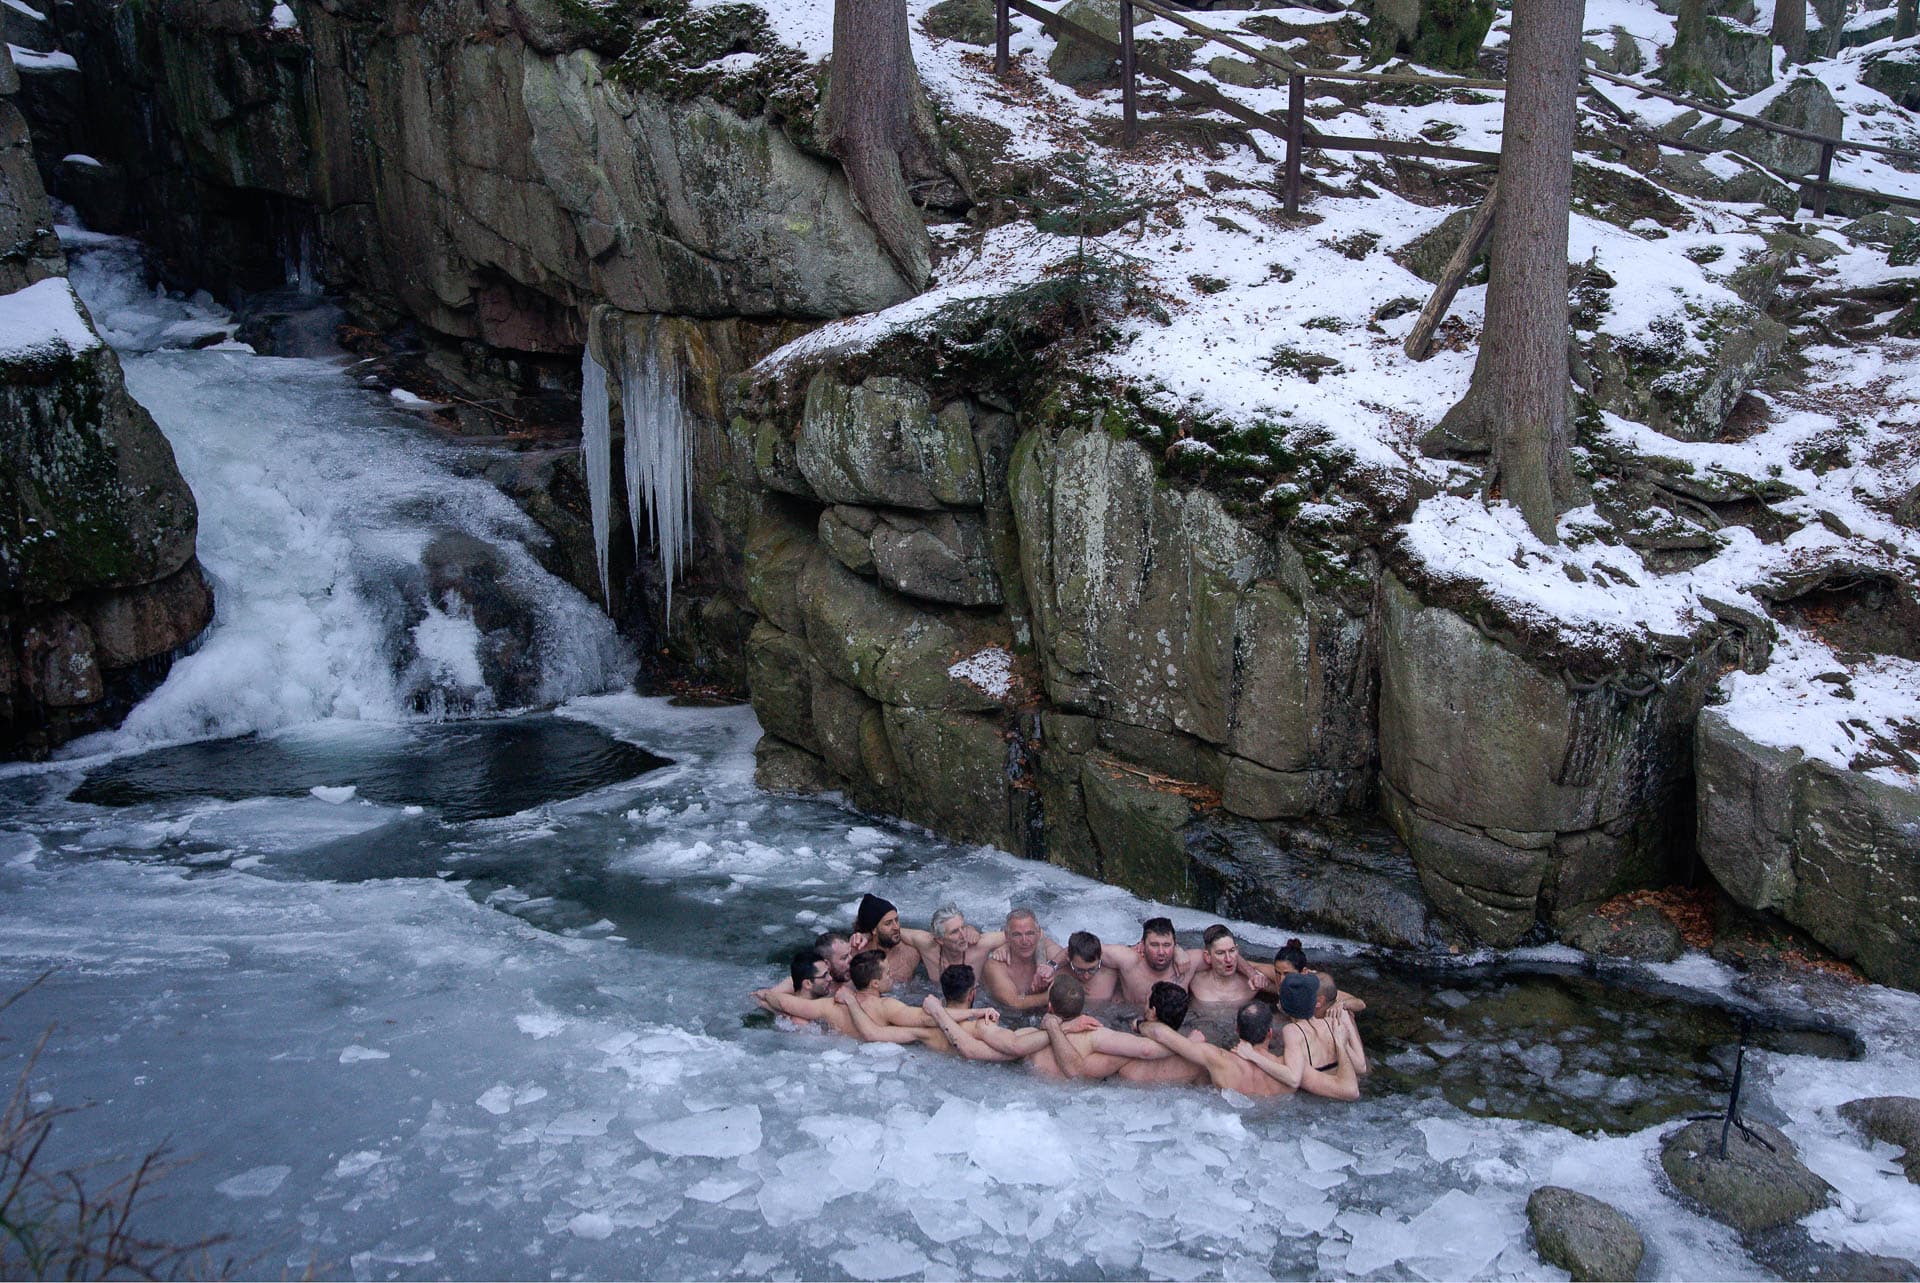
<point x="964" y="594"/>
<point x="98" y="583"/>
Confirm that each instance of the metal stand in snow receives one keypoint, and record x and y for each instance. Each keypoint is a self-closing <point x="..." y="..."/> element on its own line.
<point x="1731" y="1119"/>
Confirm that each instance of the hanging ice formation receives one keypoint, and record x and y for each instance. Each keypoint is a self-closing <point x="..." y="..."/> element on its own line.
<point x="659" y="457"/>
<point x="596" y="452"/>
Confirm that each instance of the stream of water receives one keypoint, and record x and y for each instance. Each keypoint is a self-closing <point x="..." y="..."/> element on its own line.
<point x="427" y="987"/>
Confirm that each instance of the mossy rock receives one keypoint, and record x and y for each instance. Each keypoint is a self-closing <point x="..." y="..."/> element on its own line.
<point x="968" y="21"/>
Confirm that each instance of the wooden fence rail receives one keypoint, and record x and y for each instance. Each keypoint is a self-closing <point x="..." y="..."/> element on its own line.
<point x="1300" y="135"/>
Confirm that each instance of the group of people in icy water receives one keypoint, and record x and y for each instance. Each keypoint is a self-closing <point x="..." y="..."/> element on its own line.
<point x="1295" y="1028"/>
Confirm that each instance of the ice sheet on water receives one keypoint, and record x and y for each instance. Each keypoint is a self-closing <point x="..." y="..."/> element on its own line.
<point x="1021" y="1146"/>
<point x="580" y="1123"/>
<point x="355" y="1054"/>
<point x="1447" y="1139"/>
<point x="591" y="1225"/>
<point x="1460" y="1234"/>
<point x="359" y="1162"/>
<point x="539" y="1024"/>
<point x="882" y="1259"/>
<point x="718" y="1133"/>
<point x="257" y="1182"/>
<point x="333" y="794"/>
<point x="718" y="1189"/>
<point x="1378" y="1241"/>
<point x="1322" y="1157"/>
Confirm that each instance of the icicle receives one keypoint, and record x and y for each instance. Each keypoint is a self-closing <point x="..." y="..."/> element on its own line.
<point x="659" y="455"/>
<point x="596" y="451"/>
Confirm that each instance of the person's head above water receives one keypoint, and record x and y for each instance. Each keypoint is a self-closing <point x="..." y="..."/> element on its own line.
<point x="834" y="948"/>
<point x="1066" y="997"/>
<point x="1083" y="956"/>
<point x="950" y="926"/>
<point x="1156" y="944"/>
<point x="1300" y="996"/>
<point x="1023" y="933"/>
<point x="867" y="969"/>
<point x="1167" y="1003"/>
<point x="1328" y="995"/>
<point x="878" y="920"/>
<point x="1291" y="958"/>
<point x="1223" y="951"/>
<point x="957" y="984"/>
<point x="1254" y="1023"/>
<point x="809" y="973"/>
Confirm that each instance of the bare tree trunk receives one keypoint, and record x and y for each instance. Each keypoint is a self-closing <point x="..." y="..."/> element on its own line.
<point x="1517" y="402"/>
<point x="1904" y="23"/>
<point x="1790" y="28"/>
<point x="870" y="124"/>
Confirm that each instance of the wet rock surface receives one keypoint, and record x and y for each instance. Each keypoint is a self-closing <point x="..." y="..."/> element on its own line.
<point x="1589" y="1239"/>
<point x="1893" y="1119"/>
<point x="1753" y="1186"/>
<point x="1831" y="851"/>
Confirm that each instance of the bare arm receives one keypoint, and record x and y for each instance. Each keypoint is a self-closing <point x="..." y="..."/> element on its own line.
<point x="1350" y="1045"/>
<point x="1005" y="990"/>
<point x="1349" y="1002"/>
<point x="1121" y="957"/>
<point x="789" y="1004"/>
<point x="1072" y="1063"/>
<point x="867" y="1028"/>
<point x="1113" y="1042"/>
<point x="969" y="1046"/>
<point x="1269" y="1064"/>
<point x="900" y="1014"/>
<point x="1199" y="1053"/>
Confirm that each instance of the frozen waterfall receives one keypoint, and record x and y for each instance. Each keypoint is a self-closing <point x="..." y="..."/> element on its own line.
<point x="596" y="450"/>
<point x="657" y="454"/>
<point x="659" y="457"/>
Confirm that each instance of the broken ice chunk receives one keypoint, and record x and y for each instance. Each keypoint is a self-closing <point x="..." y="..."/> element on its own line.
<point x="719" y="1133"/>
<point x="256" y="1183"/>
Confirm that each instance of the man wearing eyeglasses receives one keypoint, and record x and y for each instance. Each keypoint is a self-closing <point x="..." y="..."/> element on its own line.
<point x="1102" y="983"/>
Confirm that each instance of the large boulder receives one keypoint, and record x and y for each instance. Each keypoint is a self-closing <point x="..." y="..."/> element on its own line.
<point x="1895" y="73"/>
<point x="690" y="208"/>
<point x="1835" y="852"/>
<point x="1752" y="1187"/>
<point x="1806" y="104"/>
<point x="1077" y="63"/>
<point x="881" y="442"/>
<point x="1893" y="1119"/>
<point x="942" y="556"/>
<point x="1515" y="791"/>
<point x="1686" y="386"/>
<point x="1710" y="52"/>
<point x="1587" y="1238"/>
<point x="1154" y="608"/>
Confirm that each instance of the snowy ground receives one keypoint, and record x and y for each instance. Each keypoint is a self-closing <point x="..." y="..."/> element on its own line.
<point x="1250" y="296"/>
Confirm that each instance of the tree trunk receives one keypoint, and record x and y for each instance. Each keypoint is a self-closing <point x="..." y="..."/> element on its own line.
<point x="1790" y="28"/>
<point x="870" y="124"/>
<point x="1517" y="402"/>
<point x="1904" y="23"/>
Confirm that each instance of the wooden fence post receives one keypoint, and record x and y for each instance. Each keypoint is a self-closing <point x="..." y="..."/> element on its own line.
<point x="1479" y="232"/>
<point x="1002" y="37"/>
<point x="1129" y="78"/>
<point x="1826" y="176"/>
<point x="1296" y="135"/>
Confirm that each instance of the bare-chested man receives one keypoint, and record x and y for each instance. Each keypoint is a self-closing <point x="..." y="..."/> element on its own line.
<point x="893" y="1021"/>
<point x="1018" y="973"/>
<point x="1222" y="975"/>
<point x="981" y="1041"/>
<point x="876" y="925"/>
<point x="1166" y="1005"/>
<point x="953" y="942"/>
<point x="832" y="946"/>
<point x="957" y="988"/>
<point x="1155" y="959"/>
<point x="1083" y="962"/>
<point x="1231" y="1070"/>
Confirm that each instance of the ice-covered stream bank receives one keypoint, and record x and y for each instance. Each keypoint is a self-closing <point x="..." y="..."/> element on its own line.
<point x="414" y="1031"/>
